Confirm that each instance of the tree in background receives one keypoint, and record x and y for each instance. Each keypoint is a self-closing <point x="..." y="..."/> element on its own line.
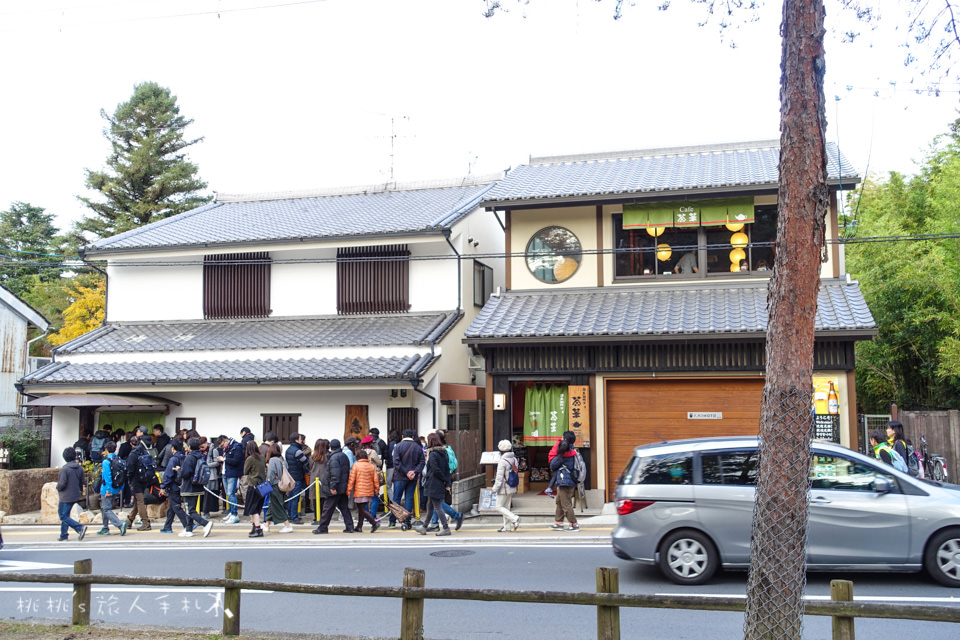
<point x="28" y="240"/>
<point x="913" y="286"/>
<point x="148" y="177"/>
<point x="85" y="313"/>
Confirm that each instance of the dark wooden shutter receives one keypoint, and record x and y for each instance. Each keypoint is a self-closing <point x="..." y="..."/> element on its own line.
<point x="236" y="285"/>
<point x="373" y="279"/>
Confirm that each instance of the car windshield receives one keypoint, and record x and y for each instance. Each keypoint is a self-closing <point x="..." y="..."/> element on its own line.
<point x="668" y="468"/>
<point x="840" y="473"/>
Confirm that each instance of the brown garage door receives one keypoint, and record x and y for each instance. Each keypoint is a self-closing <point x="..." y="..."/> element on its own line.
<point x="642" y="411"/>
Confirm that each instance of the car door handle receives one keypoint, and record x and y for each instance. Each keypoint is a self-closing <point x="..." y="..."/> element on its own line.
<point x="819" y="500"/>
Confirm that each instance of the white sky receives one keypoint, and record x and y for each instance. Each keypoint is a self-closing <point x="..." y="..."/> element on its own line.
<point x="297" y="94"/>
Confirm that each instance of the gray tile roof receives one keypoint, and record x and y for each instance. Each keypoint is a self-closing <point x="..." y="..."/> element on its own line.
<point x="312" y="370"/>
<point x="658" y="172"/>
<point x="284" y="333"/>
<point x="379" y="211"/>
<point x="643" y="313"/>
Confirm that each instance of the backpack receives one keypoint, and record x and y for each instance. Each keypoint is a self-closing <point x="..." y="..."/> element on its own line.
<point x="895" y="458"/>
<point x="118" y="472"/>
<point x="146" y="469"/>
<point x="579" y="469"/>
<point x="913" y="465"/>
<point x="451" y="459"/>
<point x="201" y="473"/>
<point x="513" y="478"/>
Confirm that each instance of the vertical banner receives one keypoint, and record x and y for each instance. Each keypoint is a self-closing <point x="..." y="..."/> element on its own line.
<point x="826" y="408"/>
<point x="579" y="413"/>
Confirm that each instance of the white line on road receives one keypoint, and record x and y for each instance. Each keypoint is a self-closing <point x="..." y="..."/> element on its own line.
<point x="948" y="600"/>
<point x="140" y="546"/>
<point x="26" y="588"/>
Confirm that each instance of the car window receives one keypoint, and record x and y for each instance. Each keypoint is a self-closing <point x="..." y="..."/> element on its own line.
<point x="844" y="474"/>
<point x="730" y="467"/>
<point x="671" y="468"/>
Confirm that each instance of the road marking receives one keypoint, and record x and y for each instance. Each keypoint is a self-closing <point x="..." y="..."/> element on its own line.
<point x="310" y="544"/>
<point x="948" y="599"/>
<point x="20" y="565"/>
<point x="25" y="587"/>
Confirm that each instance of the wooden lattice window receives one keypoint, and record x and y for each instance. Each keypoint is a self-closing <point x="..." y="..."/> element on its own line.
<point x="373" y="279"/>
<point x="282" y="425"/>
<point x="236" y="285"/>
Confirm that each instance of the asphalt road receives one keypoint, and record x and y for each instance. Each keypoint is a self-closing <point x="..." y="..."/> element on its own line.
<point x="537" y="560"/>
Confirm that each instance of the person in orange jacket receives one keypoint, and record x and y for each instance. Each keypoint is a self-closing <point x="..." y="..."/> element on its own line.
<point x="363" y="485"/>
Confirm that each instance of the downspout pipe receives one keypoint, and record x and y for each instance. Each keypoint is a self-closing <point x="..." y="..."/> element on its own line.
<point x="446" y="236"/>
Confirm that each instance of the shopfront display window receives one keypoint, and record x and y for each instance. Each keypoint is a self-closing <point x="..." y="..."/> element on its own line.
<point x="553" y="254"/>
<point x="694" y="239"/>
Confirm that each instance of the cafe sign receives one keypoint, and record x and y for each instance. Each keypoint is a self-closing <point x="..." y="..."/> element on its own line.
<point x="578" y="412"/>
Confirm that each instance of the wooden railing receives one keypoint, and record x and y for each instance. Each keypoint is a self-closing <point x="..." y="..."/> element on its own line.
<point x="606" y="599"/>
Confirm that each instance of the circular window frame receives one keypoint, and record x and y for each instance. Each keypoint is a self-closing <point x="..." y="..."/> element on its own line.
<point x="577" y="255"/>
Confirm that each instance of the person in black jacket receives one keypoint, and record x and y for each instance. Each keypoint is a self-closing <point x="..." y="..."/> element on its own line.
<point x="137" y="486"/>
<point x="338" y="475"/>
<point x="160" y="439"/>
<point x="83" y="444"/>
<point x="436" y="482"/>
<point x="297" y="463"/>
<point x="189" y="490"/>
<point x="69" y="484"/>
<point x="407" y="466"/>
<point x="171" y="487"/>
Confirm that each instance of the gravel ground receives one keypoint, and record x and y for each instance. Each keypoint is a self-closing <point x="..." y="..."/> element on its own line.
<point x="48" y="630"/>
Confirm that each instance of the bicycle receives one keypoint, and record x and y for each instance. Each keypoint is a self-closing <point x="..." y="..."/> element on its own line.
<point x="934" y="464"/>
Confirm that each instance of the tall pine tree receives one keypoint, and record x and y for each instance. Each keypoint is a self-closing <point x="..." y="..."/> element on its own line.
<point x="28" y="237"/>
<point x="147" y="177"/>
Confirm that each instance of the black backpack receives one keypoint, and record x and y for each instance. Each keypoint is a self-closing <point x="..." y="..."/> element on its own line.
<point x="913" y="465"/>
<point x="201" y="473"/>
<point x="118" y="472"/>
<point x="147" y="469"/>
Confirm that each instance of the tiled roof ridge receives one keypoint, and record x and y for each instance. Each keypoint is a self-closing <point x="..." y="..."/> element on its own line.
<point x="657" y="152"/>
<point x="382" y="187"/>
<point x="272" y="319"/>
<point x="105" y="242"/>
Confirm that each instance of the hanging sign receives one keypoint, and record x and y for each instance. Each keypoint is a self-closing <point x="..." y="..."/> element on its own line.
<point x="579" y="413"/>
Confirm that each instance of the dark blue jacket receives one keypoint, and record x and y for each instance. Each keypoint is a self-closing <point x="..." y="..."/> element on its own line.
<point x="171" y="479"/>
<point x="296" y="462"/>
<point x="407" y="456"/>
<point x="233" y="460"/>
<point x="567" y="479"/>
<point x="338" y="472"/>
<point x="187" y="468"/>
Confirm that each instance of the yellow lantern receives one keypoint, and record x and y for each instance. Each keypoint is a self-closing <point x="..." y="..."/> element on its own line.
<point x="735" y="267"/>
<point x="736" y="255"/>
<point x="655" y="231"/>
<point x="739" y="240"/>
<point x="664" y="252"/>
<point x="734" y="226"/>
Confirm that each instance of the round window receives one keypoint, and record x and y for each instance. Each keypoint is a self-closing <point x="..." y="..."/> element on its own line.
<point x="553" y="254"/>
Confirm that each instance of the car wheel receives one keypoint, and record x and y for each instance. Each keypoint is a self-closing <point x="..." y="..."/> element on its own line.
<point x="688" y="557"/>
<point x="938" y="471"/>
<point x="942" y="558"/>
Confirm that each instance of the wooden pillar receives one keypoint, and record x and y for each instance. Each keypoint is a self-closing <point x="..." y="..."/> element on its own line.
<point x="842" y="591"/>
<point x="411" y="613"/>
<point x="231" y="600"/>
<point x="608" y="618"/>
<point x="81" y="593"/>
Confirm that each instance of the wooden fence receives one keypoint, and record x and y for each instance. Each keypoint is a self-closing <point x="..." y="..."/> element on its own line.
<point x="942" y="429"/>
<point x="606" y="599"/>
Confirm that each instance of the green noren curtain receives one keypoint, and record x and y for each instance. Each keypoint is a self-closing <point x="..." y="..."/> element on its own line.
<point x="715" y="213"/>
<point x="544" y="414"/>
<point x="707" y="213"/>
<point x="641" y="216"/>
<point x="129" y="420"/>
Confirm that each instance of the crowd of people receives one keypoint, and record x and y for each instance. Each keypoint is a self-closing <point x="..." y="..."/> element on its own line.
<point x="275" y="486"/>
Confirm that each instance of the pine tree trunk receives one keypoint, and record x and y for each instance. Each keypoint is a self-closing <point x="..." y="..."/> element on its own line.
<point x="777" y="577"/>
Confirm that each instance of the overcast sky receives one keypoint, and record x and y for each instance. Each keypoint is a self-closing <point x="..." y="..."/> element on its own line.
<point x="299" y="94"/>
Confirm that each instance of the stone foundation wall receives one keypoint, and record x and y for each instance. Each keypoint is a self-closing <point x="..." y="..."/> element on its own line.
<point x="20" y="489"/>
<point x="466" y="492"/>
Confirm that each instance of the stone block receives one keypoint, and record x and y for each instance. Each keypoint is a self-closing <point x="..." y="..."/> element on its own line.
<point x="20" y="489"/>
<point x="49" y="501"/>
<point x="157" y="511"/>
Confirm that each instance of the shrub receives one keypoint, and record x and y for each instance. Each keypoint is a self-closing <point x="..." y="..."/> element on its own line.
<point x="23" y="446"/>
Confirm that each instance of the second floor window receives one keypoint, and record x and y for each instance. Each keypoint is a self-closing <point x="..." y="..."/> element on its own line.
<point x="373" y="279"/>
<point x="236" y="285"/>
<point x="482" y="283"/>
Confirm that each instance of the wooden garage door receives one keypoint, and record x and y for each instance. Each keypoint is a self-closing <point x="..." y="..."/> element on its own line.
<point x="643" y="411"/>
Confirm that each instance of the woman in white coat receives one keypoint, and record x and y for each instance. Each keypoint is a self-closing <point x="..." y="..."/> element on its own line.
<point x="503" y="491"/>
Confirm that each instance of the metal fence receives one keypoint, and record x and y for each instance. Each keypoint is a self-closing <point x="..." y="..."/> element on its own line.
<point x="606" y="599"/>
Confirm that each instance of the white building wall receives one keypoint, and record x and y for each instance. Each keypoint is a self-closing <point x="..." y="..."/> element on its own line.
<point x="154" y="293"/>
<point x="64" y="431"/>
<point x="13" y="341"/>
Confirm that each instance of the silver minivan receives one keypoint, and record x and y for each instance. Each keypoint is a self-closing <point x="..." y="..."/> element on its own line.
<point x="686" y="506"/>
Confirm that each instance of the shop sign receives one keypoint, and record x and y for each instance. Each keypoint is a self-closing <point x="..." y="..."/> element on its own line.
<point x="579" y="413"/>
<point x="704" y="415"/>
<point x="826" y="408"/>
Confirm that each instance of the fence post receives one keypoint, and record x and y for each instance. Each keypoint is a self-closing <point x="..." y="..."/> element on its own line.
<point x="231" y="600"/>
<point x="842" y="591"/>
<point x="411" y="613"/>
<point x="81" y="593"/>
<point x="608" y="618"/>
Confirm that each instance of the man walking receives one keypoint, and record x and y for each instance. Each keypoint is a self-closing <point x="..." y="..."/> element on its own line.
<point x="110" y="492"/>
<point x="232" y="470"/>
<point x="170" y="485"/>
<point x="139" y="468"/>
<point x="188" y="489"/>
<point x="408" y="462"/>
<point x="338" y="475"/>
<point x="69" y="482"/>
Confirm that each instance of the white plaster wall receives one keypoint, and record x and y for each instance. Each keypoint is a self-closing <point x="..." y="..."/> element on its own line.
<point x="433" y="283"/>
<point x="304" y="289"/>
<point x="64" y="431"/>
<point x="154" y="292"/>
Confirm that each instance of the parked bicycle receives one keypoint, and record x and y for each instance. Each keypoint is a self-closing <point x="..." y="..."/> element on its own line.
<point x="934" y="464"/>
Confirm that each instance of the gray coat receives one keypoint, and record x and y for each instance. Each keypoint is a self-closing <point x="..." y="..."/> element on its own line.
<point x="70" y="482"/>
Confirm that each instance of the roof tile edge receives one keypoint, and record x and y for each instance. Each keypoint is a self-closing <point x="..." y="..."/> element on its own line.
<point x="659" y="152"/>
<point x="382" y="187"/>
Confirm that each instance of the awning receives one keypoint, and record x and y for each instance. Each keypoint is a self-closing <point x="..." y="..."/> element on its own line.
<point x="97" y="400"/>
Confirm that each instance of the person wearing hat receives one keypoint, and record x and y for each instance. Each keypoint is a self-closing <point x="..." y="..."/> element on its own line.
<point x="373" y="455"/>
<point x="503" y="491"/>
<point x="69" y="484"/>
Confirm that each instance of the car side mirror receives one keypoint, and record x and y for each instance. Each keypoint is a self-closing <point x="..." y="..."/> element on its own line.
<point x="618" y="480"/>
<point x="882" y="485"/>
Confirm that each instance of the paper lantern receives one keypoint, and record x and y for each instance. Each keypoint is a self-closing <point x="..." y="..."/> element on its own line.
<point x="655" y="231"/>
<point x="734" y="226"/>
<point x="664" y="252"/>
<point x="735" y="267"/>
<point x="739" y="240"/>
<point x="736" y="255"/>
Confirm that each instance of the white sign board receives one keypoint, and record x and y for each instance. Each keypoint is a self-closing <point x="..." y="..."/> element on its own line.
<point x="490" y="457"/>
<point x="704" y="415"/>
